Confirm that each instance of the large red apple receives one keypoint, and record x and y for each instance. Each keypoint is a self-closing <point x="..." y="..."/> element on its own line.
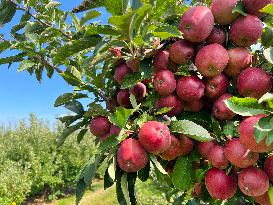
<point x="196" y="23"/>
<point x="181" y="52"/>
<point x="222" y="11"/>
<point x="220" y="110"/>
<point x="170" y="101"/>
<point x="246" y="30"/>
<point x="217" y="35"/>
<point x="100" y="126"/>
<point x="254" y="82"/>
<point x="216" y="86"/>
<point x="121" y="71"/>
<point x="155" y="137"/>
<point x="253" y="6"/>
<point x="211" y="60"/>
<point x="131" y="157"/>
<point x="164" y="82"/>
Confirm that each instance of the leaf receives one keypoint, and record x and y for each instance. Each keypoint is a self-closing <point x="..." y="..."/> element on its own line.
<point x="95" y="110"/>
<point x="12" y="59"/>
<point x="81" y="135"/>
<point x="268" y="54"/>
<point x="101" y="29"/>
<point x="116" y="7"/>
<point x="133" y="100"/>
<point x="231" y="128"/>
<point x="66" y="97"/>
<point x="131" y="180"/>
<point x="108" y="181"/>
<point x="75" y="46"/>
<point x="4" y="45"/>
<point x="89" y="16"/>
<point x="163" y="110"/>
<point x="142" y="12"/>
<point x="87" y="5"/>
<point x="267" y="9"/>
<point x="266" y="97"/>
<point x="80" y="188"/>
<point x="69" y="130"/>
<point x="25" y="64"/>
<point x="52" y="4"/>
<point x="75" y="106"/>
<point x="183" y="176"/>
<point x="71" y="79"/>
<point x="69" y="119"/>
<point x="7" y="11"/>
<point x="145" y="72"/>
<point x="119" y="191"/>
<point x="239" y="8"/>
<point x="191" y="129"/>
<point x="124" y="187"/>
<point x="269" y="139"/>
<point x="267" y="37"/>
<point x="270" y="193"/>
<point x="121" y="116"/>
<point x="157" y="165"/>
<point x="167" y="31"/>
<point x="245" y="106"/>
<point x="136" y="4"/>
<point x="144" y="173"/>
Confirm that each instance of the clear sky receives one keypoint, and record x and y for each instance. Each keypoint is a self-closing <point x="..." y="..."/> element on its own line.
<point x="21" y="94"/>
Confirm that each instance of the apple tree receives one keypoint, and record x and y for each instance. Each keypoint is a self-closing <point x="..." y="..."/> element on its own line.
<point x="179" y="91"/>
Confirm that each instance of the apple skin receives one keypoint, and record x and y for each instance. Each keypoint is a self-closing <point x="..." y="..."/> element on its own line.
<point x="253" y="181"/>
<point x="123" y="98"/>
<point x="196" y="23"/>
<point x="239" y="59"/>
<point x="133" y="64"/>
<point x="190" y="88"/>
<point x="219" y="185"/>
<point x="217" y="157"/>
<point x="246" y="131"/>
<point x="121" y="71"/>
<point x="254" y="82"/>
<point x="161" y="60"/>
<point x="100" y="126"/>
<point x="220" y="110"/>
<point x="211" y="60"/>
<point x="139" y="91"/>
<point x="155" y="137"/>
<point x="253" y="6"/>
<point x="268" y="167"/>
<point x="217" y="35"/>
<point x="173" y="151"/>
<point x="204" y="148"/>
<point x="263" y="199"/>
<point x="186" y="144"/>
<point x="114" y="130"/>
<point x="216" y="86"/>
<point x="170" y="101"/>
<point x="194" y="106"/>
<point x="164" y="82"/>
<point x="181" y="52"/>
<point x="246" y="30"/>
<point x="222" y="11"/>
<point x="131" y="156"/>
<point x="238" y="154"/>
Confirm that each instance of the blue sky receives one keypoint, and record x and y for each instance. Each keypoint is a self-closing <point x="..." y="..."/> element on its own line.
<point x="21" y="94"/>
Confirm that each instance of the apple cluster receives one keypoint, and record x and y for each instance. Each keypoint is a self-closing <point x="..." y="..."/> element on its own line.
<point x="216" y="45"/>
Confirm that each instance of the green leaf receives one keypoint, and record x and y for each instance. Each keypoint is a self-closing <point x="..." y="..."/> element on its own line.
<point x="259" y="134"/>
<point x="183" y="175"/>
<point x="245" y="106"/>
<point x="136" y="4"/>
<point x="87" y="5"/>
<point x="71" y="79"/>
<point x="270" y="193"/>
<point x="108" y="181"/>
<point x="266" y="97"/>
<point x="89" y="16"/>
<point x="101" y="29"/>
<point x="145" y="72"/>
<point x="12" y="59"/>
<point x="95" y="110"/>
<point x="121" y="116"/>
<point x="191" y="129"/>
<point x="7" y="11"/>
<point x="81" y="135"/>
<point x="52" y="4"/>
<point x="231" y="128"/>
<point x="268" y="9"/>
<point x="75" y="106"/>
<point x="80" y="189"/>
<point x="163" y="110"/>
<point x="116" y="7"/>
<point x="124" y="187"/>
<point x="69" y="130"/>
<point x="66" y="97"/>
<point x="25" y="64"/>
<point x="74" y="47"/>
<point x="239" y="8"/>
<point x="123" y="23"/>
<point x="267" y="37"/>
<point x="157" y="165"/>
<point x="4" y="45"/>
<point x="144" y="173"/>
<point x="167" y="31"/>
<point x="133" y="100"/>
<point x="131" y="180"/>
<point x="269" y="139"/>
<point x="268" y="54"/>
<point x="69" y="119"/>
<point x="141" y="13"/>
<point x="119" y="191"/>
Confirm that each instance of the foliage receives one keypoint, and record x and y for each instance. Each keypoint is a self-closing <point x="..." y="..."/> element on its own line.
<point x="85" y="53"/>
<point x="31" y="164"/>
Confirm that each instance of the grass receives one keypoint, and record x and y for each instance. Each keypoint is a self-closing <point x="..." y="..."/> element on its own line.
<point x="147" y="194"/>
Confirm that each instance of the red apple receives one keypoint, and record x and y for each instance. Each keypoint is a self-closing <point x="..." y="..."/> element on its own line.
<point x="164" y="82"/>
<point x="181" y="52"/>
